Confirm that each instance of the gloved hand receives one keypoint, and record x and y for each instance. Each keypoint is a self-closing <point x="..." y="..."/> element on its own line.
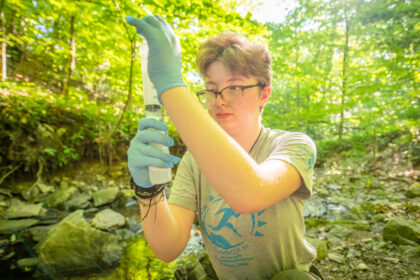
<point x="164" y="60"/>
<point x="141" y="154"/>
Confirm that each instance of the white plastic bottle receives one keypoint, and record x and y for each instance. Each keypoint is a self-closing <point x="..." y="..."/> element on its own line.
<point x="153" y="110"/>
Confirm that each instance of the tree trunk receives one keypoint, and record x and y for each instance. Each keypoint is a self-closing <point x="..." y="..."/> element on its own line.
<point x="133" y="45"/>
<point x="3" y="43"/>
<point x="72" y="57"/>
<point x="344" y="76"/>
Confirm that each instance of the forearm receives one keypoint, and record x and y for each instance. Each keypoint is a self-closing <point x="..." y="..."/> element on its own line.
<point x="228" y="167"/>
<point x="162" y="230"/>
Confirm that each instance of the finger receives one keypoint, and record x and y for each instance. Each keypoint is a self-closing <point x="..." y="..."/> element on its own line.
<point x="156" y="153"/>
<point x="153" y="21"/>
<point x="145" y="155"/>
<point x="163" y="23"/>
<point x="146" y="123"/>
<point x="154" y="136"/>
<point x="134" y="22"/>
<point x="174" y="159"/>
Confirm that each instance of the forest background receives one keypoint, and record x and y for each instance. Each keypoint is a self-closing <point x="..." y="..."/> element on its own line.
<point x="346" y="72"/>
<point x="71" y="81"/>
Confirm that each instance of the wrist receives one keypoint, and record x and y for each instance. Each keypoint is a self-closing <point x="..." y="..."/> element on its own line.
<point x="147" y="193"/>
<point x="168" y="88"/>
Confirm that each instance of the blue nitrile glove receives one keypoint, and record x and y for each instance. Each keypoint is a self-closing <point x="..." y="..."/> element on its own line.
<point x="164" y="60"/>
<point x="141" y="155"/>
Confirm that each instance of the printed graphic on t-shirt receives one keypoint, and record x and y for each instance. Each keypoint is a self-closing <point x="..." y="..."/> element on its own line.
<point x="231" y="242"/>
<point x="305" y="154"/>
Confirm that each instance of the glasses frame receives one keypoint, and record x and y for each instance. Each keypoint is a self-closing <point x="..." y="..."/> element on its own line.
<point x="215" y="92"/>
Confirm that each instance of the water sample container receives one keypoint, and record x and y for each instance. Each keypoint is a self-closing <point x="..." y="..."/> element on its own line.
<point x="153" y="109"/>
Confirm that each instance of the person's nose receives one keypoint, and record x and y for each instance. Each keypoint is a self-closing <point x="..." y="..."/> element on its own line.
<point x="219" y="100"/>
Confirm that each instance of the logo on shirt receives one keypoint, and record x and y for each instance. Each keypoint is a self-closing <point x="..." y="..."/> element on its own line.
<point x="231" y="232"/>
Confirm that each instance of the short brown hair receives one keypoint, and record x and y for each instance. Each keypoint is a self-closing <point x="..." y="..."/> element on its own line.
<point x="237" y="53"/>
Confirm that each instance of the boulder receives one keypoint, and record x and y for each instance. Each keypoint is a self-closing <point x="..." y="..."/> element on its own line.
<point x="402" y="232"/>
<point x="105" y="196"/>
<point x="74" y="247"/>
<point x="79" y="201"/>
<point x="108" y="219"/>
<point x="59" y="197"/>
<point x="13" y="226"/>
<point x="19" y="209"/>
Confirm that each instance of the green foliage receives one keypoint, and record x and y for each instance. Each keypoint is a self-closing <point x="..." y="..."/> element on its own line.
<point x="38" y="127"/>
<point x="343" y="93"/>
<point x="139" y="262"/>
<point x="317" y="89"/>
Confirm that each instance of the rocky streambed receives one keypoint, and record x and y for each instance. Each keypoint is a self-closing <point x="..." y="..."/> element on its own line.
<point x="83" y="223"/>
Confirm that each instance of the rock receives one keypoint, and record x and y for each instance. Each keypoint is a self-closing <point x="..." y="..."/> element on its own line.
<point x="108" y="219"/>
<point x="39" y="233"/>
<point x="362" y="266"/>
<point x="363" y="210"/>
<point x="19" y="209"/>
<point x="45" y="188"/>
<point x="125" y="196"/>
<point x="6" y="192"/>
<point x="61" y="196"/>
<point x="411" y="253"/>
<point x="380" y="217"/>
<point x="314" y="207"/>
<point x="124" y="234"/>
<point x="51" y="216"/>
<point x="12" y="226"/>
<point x="4" y="243"/>
<point x="413" y="191"/>
<point x="314" y="222"/>
<point x="320" y="246"/>
<point x="73" y="246"/>
<point x="359" y="225"/>
<point x="27" y="190"/>
<point x="348" y="216"/>
<point x="26" y="263"/>
<point x="402" y="232"/>
<point x="352" y="253"/>
<point x="79" y="201"/>
<point x="336" y="258"/>
<point x="340" y="232"/>
<point x="8" y="256"/>
<point x="105" y="196"/>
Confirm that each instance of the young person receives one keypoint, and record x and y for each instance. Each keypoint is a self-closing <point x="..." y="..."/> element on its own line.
<point x="247" y="183"/>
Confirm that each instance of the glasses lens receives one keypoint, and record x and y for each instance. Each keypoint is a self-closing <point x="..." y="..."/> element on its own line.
<point x="232" y="94"/>
<point x="207" y="98"/>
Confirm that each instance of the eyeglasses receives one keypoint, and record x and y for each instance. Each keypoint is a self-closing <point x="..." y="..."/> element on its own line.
<point x="230" y="95"/>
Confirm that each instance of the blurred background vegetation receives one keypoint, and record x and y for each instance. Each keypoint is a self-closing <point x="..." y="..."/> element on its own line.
<point x="346" y="72"/>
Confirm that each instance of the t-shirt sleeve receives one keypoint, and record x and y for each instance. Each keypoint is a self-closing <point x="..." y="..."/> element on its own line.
<point x="299" y="150"/>
<point x="183" y="191"/>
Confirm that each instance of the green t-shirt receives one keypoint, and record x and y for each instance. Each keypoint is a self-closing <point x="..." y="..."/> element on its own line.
<point x="257" y="245"/>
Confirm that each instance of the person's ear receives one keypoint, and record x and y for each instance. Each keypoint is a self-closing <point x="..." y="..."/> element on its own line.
<point x="264" y="95"/>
